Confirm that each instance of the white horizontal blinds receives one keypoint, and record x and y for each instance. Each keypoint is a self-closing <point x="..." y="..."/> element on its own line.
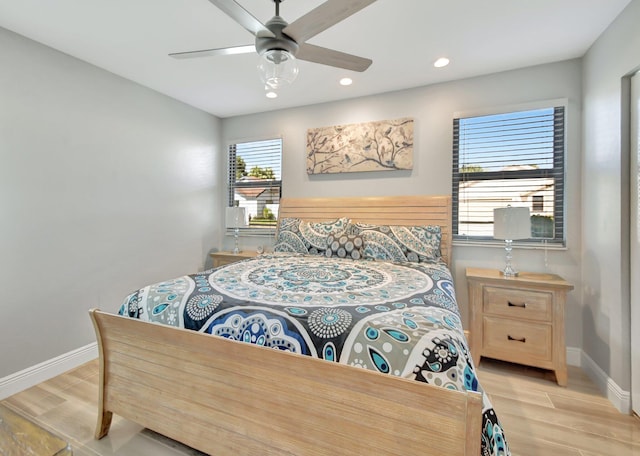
<point x="516" y="159"/>
<point x="255" y="180"/>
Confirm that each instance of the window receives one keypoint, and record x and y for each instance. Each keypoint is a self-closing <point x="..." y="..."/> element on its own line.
<point x="515" y="158"/>
<point x="255" y="180"/>
<point x="537" y="203"/>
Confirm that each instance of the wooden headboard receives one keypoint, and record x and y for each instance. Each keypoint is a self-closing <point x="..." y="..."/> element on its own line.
<point x="380" y="210"/>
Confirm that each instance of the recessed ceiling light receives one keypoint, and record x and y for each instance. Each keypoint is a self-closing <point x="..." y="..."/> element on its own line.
<point x="272" y="94"/>
<point x="441" y="62"/>
<point x="346" y="81"/>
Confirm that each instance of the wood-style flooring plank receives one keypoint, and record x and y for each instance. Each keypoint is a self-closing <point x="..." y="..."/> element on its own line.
<point x="35" y="401"/>
<point x="524" y="445"/>
<point x="583" y="425"/>
<point x="575" y="419"/>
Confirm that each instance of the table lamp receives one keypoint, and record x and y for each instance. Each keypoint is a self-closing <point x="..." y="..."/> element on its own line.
<point x="511" y="223"/>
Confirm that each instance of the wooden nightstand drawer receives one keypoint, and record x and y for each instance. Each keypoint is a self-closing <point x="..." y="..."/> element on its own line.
<point x="515" y="303"/>
<point x="516" y="341"/>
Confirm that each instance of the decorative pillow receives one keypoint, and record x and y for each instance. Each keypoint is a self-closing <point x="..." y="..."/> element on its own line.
<point x="344" y="246"/>
<point x="417" y="244"/>
<point x="301" y="236"/>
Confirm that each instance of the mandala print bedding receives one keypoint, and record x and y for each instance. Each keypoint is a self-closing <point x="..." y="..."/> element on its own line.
<point x="397" y="318"/>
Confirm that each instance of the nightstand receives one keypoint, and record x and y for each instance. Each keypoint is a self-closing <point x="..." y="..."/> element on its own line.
<point x="222" y="258"/>
<point x="518" y="319"/>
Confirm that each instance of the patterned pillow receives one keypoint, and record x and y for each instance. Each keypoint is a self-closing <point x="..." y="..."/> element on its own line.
<point x="344" y="246"/>
<point x="301" y="236"/>
<point x="417" y="244"/>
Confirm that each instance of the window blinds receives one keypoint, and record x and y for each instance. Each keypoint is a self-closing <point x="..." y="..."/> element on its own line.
<point x="255" y="180"/>
<point x="516" y="159"/>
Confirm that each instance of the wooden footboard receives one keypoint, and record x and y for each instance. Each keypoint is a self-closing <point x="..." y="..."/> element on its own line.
<point x="224" y="397"/>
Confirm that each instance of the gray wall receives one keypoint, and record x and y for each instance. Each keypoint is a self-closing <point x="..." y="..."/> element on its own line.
<point x="433" y="108"/>
<point x="605" y="175"/>
<point x="104" y="186"/>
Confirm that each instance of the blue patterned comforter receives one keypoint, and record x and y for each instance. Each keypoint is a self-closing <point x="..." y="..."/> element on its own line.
<point x="397" y="318"/>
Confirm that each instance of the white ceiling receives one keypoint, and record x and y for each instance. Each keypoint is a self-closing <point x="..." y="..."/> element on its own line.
<point x="132" y="38"/>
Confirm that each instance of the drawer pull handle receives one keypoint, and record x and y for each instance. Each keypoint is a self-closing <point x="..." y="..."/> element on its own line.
<point x="522" y="304"/>
<point x="523" y="339"/>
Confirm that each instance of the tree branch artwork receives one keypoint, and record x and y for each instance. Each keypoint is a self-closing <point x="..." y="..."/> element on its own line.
<point x="371" y="146"/>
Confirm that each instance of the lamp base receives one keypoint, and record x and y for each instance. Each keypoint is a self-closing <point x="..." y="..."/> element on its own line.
<point x="509" y="270"/>
<point x="236" y="249"/>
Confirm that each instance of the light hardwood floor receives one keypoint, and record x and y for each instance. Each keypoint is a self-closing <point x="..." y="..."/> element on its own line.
<point x="539" y="417"/>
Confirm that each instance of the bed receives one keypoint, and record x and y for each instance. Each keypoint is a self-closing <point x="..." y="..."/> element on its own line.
<point x="194" y="379"/>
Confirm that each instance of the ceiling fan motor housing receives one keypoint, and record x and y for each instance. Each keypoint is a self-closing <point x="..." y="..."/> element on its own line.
<point x="281" y="42"/>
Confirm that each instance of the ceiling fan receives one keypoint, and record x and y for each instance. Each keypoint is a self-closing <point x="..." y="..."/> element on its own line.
<point x="279" y="43"/>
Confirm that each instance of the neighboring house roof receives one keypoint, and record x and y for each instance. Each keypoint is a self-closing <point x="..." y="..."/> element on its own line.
<point x="254" y="192"/>
<point x="485" y="189"/>
<point x="525" y="187"/>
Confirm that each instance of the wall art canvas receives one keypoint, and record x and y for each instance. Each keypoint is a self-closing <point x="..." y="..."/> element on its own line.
<point x="372" y="146"/>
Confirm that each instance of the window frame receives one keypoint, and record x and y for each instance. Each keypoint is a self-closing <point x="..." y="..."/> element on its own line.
<point x="557" y="172"/>
<point x="231" y="154"/>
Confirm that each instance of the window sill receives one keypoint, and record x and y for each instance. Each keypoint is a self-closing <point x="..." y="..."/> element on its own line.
<point x="252" y="232"/>
<point x="516" y="245"/>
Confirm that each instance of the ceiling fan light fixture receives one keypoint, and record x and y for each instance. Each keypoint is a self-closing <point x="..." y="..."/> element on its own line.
<point x="277" y="68"/>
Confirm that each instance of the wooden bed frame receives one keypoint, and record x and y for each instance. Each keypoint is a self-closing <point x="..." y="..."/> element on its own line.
<point x="224" y="397"/>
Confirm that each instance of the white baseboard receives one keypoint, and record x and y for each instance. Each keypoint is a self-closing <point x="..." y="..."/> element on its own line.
<point x="574" y="356"/>
<point x="620" y="398"/>
<point x="33" y="375"/>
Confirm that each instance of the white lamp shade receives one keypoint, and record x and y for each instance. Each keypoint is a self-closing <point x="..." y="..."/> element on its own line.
<point x="236" y="217"/>
<point x="511" y="223"/>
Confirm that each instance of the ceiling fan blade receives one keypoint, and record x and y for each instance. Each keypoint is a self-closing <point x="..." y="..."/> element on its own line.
<point x="321" y="18"/>
<point x="243" y="17"/>
<point x="324" y="56"/>
<point x="211" y="52"/>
